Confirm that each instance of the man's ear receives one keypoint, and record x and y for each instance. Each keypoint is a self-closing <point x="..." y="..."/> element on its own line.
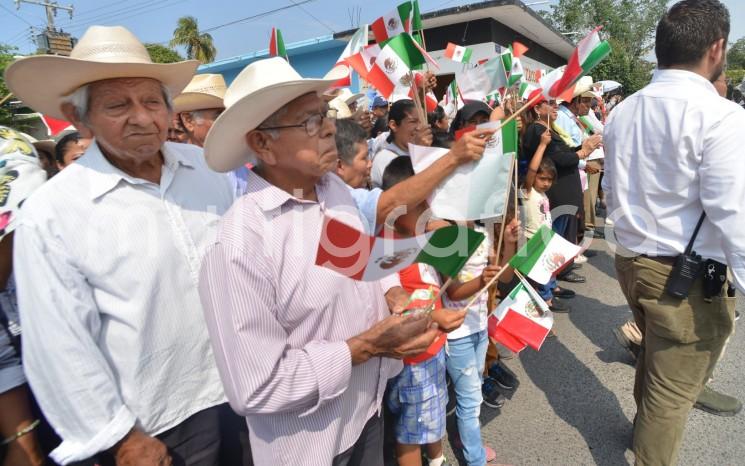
<point x="718" y="50"/>
<point x="187" y="121"/>
<point x="261" y="145"/>
<point x="71" y="115"/>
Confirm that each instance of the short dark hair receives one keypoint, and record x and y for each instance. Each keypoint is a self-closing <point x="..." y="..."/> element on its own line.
<point x="397" y="171"/>
<point x="547" y="167"/>
<point x="688" y="29"/>
<point x="435" y="116"/>
<point x="348" y="134"/>
<point x="59" y="148"/>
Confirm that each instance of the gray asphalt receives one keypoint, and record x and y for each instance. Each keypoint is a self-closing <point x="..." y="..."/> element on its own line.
<point x="574" y="404"/>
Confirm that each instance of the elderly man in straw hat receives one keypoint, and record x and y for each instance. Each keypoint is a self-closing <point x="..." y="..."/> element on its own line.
<point x="199" y="105"/>
<point x="115" y="345"/>
<point x="300" y="348"/>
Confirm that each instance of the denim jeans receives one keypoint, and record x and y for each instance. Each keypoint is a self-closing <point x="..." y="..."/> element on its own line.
<point x="465" y="363"/>
<point x="546" y="291"/>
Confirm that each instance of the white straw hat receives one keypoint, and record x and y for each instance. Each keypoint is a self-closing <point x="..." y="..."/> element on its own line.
<point x="204" y="91"/>
<point x="262" y="88"/>
<point x="43" y="81"/>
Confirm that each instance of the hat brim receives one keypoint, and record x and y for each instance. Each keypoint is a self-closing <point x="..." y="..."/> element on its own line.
<point x="353" y="98"/>
<point x="225" y="148"/>
<point x="42" y="82"/>
<point x="192" y="101"/>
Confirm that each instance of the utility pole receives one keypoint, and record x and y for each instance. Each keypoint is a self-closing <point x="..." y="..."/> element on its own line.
<point x="51" y="8"/>
<point x="52" y="41"/>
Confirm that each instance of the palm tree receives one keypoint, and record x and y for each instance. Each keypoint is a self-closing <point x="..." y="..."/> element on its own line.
<point x="197" y="45"/>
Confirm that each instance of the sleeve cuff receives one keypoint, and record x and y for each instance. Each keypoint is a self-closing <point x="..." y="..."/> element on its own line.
<point x="582" y="164"/>
<point x="389" y="282"/>
<point x="11" y="377"/>
<point x="332" y="362"/>
<point x="71" y="450"/>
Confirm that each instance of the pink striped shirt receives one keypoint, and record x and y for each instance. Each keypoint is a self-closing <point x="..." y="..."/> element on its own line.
<point x="278" y="325"/>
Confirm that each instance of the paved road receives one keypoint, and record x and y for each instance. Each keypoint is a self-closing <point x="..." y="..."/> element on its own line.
<point x="574" y="404"/>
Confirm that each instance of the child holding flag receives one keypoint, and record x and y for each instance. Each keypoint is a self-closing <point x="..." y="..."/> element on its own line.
<point x="418" y="395"/>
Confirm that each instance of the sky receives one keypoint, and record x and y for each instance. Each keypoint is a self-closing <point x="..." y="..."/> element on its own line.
<point x="155" y="20"/>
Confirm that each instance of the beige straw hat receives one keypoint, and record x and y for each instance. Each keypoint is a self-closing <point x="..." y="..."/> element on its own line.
<point x="43" y="81"/>
<point x="262" y="88"/>
<point x="204" y="91"/>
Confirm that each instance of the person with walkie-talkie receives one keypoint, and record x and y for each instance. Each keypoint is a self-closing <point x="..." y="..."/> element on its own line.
<point x="676" y="194"/>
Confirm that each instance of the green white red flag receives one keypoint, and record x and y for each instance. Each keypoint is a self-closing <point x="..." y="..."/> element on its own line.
<point x="359" y="256"/>
<point x="277" y="45"/>
<point x="475" y="190"/>
<point x="458" y="53"/>
<point x="519" y="49"/>
<point x="393" y="23"/>
<point x="527" y="91"/>
<point x="589" y="52"/>
<point x="475" y="83"/>
<point x="544" y="255"/>
<point x="395" y="64"/>
<point x="355" y="45"/>
<point x="363" y="61"/>
<point x="524" y="315"/>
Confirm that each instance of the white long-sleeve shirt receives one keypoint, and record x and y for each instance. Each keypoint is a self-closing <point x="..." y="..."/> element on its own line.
<point x="107" y="269"/>
<point x="673" y="150"/>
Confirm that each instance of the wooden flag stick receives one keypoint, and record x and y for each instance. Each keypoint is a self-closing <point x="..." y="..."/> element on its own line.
<point x="521" y="110"/>
<point x="417" y="101"/>
<point x="486" y="287"/>
<point x="6" y="98"/>
<point x="443" y="288"/>
<point x="500" y="240"/>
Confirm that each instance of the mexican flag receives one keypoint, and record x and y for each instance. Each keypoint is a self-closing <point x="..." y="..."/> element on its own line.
<point x="519" y="49"/>
<point x="527" y="91"/>
<point x="475" y="190"/>
<point x="498" y="335"/>
<point x="359" y="256"/>
<point x="493" y="100"/>
<point x="589" y="52"/>
<point x="458" y="53"/>
<point x="475" y="83"/>
<point x="516" y="71"/>
<point x="395" y="64"/>
<point x="544" y="255"/>
<point x="363" y="61"/>
<point x="55" y="126"/>
<point x="277" y="45"/>
<point x="525" y="316"/>
<point x="393" y="23"/>
<point x="416" y="20"/>
<point x="355" y="45"/>
<point x="549" y="83"/>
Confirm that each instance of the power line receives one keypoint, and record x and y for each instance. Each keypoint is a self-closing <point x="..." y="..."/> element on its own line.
<point x="16" y="15"/>
<point x="119" y="18"/>
<point x="257" y="16"/>
<point x="139" y="8"/>
<point x="316" y="19"/>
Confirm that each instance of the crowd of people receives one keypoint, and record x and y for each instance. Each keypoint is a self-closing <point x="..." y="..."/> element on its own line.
<point x="161" y="300"/>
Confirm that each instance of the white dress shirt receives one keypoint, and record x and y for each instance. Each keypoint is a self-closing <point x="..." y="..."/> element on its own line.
<point x="107" y="269"/>
<point x="673" y="149"/>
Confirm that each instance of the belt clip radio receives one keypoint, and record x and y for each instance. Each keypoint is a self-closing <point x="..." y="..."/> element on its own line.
<point x="687" y="268"/>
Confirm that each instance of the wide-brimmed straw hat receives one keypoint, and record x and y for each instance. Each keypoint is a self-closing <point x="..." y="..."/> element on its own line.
<point x="585" y="88"/>
<point x="204" y="91"/>
<point x="43" y="81"/>
<point x="262" y="88"/>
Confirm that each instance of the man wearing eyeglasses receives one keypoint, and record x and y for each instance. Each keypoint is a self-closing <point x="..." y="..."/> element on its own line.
<point x="304" y="353"/>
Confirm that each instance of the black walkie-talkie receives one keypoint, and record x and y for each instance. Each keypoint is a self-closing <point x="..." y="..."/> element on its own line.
<point x="687" y="268"/>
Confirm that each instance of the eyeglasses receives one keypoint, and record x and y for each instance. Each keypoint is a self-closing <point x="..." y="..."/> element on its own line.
<point x="312" y="125"/>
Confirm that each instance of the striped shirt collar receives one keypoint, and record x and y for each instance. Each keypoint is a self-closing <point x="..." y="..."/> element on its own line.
<point x="270" y="197"/>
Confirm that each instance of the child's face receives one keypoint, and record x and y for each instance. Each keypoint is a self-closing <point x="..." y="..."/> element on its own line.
<point x="406" y="224"/>
<point x="543" y="182"/>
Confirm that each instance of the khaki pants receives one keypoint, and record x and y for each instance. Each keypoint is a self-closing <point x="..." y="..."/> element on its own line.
<point x="590" y="198"/>
<point x="681" y="343"/>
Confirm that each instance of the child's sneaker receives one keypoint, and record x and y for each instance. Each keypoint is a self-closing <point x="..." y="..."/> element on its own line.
<point x="491" y="394"/>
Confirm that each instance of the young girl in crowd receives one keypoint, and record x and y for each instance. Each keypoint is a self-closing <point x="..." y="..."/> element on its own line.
<point x="418" y="397"/>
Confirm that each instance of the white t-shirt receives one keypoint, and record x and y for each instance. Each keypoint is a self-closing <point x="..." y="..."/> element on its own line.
<point x="476" y="317"/>
<point x="381" y="160"/>
<point x="537" y="211"/>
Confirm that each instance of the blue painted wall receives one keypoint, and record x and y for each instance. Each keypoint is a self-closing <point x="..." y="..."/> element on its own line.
<point x="312" y="59"/>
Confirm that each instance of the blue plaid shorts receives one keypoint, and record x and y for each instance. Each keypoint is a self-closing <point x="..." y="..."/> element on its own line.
<point x="418" y="398"/>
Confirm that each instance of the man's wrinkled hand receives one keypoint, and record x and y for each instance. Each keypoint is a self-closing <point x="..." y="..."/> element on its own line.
<point x="397" y="298"/>
<point x="139" y="449"/>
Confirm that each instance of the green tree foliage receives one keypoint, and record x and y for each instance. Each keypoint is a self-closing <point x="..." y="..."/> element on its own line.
<point x="198" y="45"/>
<point x="736" y="55"/>
<point x="161" y="54"/>
<point x="628" y="25"/>
<point x="6" y="57"/>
